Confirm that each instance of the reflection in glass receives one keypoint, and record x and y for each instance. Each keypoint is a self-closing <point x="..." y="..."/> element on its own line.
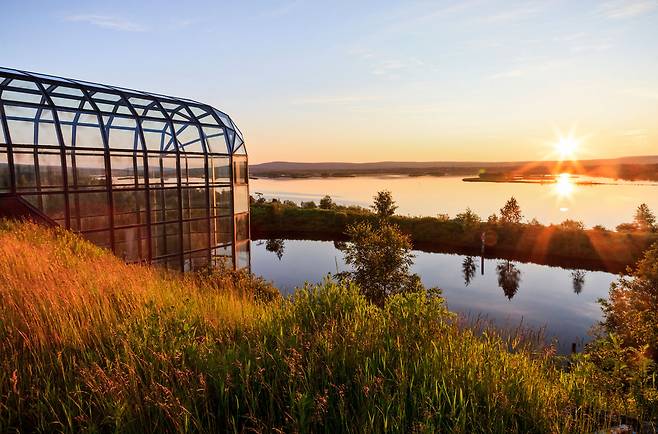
<point x="468" y="269"/>
<point x="509" y="278"/>
<point x="276" y="246"/>
<point x="578" y="280"/>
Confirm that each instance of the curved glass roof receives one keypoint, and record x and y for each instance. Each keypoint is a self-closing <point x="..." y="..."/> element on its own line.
<point x="181" y="123"/>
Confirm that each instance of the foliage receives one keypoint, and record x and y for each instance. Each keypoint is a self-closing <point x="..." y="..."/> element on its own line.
<point x="90" y="344"/>
<point x="572" y="225"/>
<point x="631" y="311"/>
<point x="327" y="203"/>
<point x="492" y="219"/>
<point x="468" y="220"/>
<point x="626" y="227"/>
<point x="645" y="220"/>
<point x="511" y="212"/>
<point x="442" y="217"/>
<point x="468" y="269"/>
<point x="308" y="205"/>
<point x="290" y="203"/>
<point x="384" y="205"/>
<point x="578" y="281"/>
<point x="381" y="259"/>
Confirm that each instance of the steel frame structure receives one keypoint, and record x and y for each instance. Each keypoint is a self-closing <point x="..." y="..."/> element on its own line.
<point x="154" y="178"/>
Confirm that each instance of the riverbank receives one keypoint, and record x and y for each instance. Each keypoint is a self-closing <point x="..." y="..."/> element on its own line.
<point x="555" y="245"/>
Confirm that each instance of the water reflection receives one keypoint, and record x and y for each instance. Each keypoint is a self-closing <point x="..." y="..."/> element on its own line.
<point x="276" y="246"/>
<point x="468" y="269"/>
<point x="509" y="278"/>
<point x="578" y="280"/>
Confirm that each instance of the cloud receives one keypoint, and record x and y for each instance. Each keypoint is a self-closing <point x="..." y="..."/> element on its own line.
<point x="108" y="22"/>
<point x="618" y="9"/>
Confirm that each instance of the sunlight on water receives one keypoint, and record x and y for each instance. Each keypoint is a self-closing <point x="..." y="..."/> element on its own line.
<point x="564" y="187"/>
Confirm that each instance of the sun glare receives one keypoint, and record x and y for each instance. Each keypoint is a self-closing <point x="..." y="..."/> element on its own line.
<point x="564" y="185"/>
<point x="566" y="147"/>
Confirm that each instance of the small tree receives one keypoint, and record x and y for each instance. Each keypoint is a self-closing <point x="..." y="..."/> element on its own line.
<point x="381" y="259"/>
<point x="492" y="219"/>
<point x="631" y="311"/>
<point x="327" y="203"/>
<point x="384" y="204"/>
<point x="645" y="220"/>
<point x="572" y="225"/>
<point x="468" y="219"/>
<point x="511" y="212"/>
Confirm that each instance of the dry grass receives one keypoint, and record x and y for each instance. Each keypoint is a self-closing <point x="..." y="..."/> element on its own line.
<point x="88" y="343"/>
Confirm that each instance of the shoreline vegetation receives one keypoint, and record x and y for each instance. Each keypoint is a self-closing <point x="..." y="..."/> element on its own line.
<point x="91" y="344"/>
<point x="567" y="245"/>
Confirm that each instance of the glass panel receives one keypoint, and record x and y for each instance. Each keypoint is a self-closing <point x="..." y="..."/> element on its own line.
<point x="165" y="239"/>
<point x="215" y="140"/>
<point x="129" y="207"/>
<point x="220" y="201"/>
<point x="194" y="202"/>
<point x="242" y="227"/>
<point x="123" y="169"/>
<point x="164" y="205"/>
<point x="20" y="121"/>
<point x="241" y="198"/>
<point x="50" y="170"/>
<point x="196" y="171"/>
<point x="123" y="134"/>
<point x="240" y="174"/>
<point x="91" y="210"/>
<point x="169" y="175"/>
<point x="88" y="132"/>
<point x="221" y="257"/>
<point x="195" y="235"/>
<point x="5" y="176"/>
<point x="3" y="137"/>
<point x="53" y="207"/>
<point x="242" y="255"/>
<point x="25" y="171"/>
<point x="10" y="95"/>
<point x="101" y="238"/>
<point x="130" y="244"/>
<point x="89" y="170"/>
<point x="221" y="229"/>
<point x="219" y="169"/>
<point x="188" y="137"/>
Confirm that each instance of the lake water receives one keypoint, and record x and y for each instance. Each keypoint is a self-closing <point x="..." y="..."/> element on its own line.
<point x="609" y="204"/>
<point x="508" y="293"/>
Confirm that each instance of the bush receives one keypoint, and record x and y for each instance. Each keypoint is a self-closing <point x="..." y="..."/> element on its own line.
<point x="327" y="203"/>
<point x="572" y="225"/>
<point x="627" y="227"/>
<point x="309" y="205"/>
<point x="468" y="220"/>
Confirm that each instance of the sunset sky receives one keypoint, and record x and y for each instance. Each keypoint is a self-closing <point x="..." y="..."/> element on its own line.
<point x="371" y="80"/>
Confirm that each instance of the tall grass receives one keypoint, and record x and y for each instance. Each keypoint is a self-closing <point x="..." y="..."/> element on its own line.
<point x="88" y="343"/>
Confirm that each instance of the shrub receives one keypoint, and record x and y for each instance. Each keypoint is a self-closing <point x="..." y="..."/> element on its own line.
<point x="309" y="205"/>
<point x="626" y="227"/>
<point x="384" y="204"/>
<point x="572" y="225"/>
<point x="468" y="220"/>
<point x="327" y="203"/>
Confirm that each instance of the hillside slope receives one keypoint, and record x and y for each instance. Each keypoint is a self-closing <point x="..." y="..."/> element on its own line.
<point x="88" y="343"/>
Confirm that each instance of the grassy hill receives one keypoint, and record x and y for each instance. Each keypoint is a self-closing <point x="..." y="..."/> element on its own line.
<point x="88" y="343"/>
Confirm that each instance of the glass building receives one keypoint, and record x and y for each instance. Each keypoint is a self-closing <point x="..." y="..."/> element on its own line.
<point x="154" y="178"/>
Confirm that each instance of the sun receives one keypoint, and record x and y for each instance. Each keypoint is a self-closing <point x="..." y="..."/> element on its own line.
<point x="566" y="147"/>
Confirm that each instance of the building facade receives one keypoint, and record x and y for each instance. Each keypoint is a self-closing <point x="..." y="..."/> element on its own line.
<point x="154" y="178"/>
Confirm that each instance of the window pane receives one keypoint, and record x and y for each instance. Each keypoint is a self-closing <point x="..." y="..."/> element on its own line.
<point x="91" y="210"/>
<point x="219" y="169"/>
<point x="50" y="170"/>
<point x="89" y="170"/>
<point x="242" y="227"/>
<point x="129" y="207"/>
<point x="24" y="170"/>
<point x="195" y="173"/>
<point x="194" y="203"/>
<point x="240" y="171"/>
<point x="5" y="176"/>
<point x="241" y="198"/>
<point x="220" y="201"/>
<point x="131" y="244"/>
<point x="222" y="230"/>
<point x="123" y="169"/>
<point x="242" y="255"/>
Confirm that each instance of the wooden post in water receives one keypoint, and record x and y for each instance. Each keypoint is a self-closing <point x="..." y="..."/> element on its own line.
<point x="482" y="238"/>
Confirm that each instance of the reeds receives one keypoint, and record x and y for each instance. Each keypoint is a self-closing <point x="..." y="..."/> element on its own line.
<point x="88" y="343"/>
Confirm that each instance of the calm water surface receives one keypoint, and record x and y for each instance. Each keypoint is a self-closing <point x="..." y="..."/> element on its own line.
<point x="606" y="205"/>
<point x="562" y="301"/>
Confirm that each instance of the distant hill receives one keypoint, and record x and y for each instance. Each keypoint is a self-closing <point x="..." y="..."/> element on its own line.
<point x="295" y="169"/>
